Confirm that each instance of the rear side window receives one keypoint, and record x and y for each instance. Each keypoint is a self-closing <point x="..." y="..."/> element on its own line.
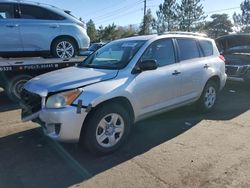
<point x="188" y="49"/>
<point x="206" y="47"/>
<point x="35" y="12"/>
<point x="162" y="51"/>
<point x="6" y="11"/>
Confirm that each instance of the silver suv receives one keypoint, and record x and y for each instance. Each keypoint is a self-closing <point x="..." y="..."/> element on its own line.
<point x="37" y="29"/>
<point x="121" y="83"/>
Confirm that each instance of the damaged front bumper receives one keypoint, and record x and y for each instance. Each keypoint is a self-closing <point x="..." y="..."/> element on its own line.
<point x="63" y="124"/>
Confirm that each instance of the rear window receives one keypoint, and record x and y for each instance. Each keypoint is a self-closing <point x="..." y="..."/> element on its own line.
<point x="35" y="12"/>
<point x="6" y="11"/>
<point x="206" y="47"/>
<point x="188" y="49"/>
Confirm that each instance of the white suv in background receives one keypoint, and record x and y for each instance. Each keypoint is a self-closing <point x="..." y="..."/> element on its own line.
<point x="29" y="28"/>
<point x="121" y="83"/>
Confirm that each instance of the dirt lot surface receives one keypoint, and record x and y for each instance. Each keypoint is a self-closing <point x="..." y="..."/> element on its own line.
<point x="177" y="149"/>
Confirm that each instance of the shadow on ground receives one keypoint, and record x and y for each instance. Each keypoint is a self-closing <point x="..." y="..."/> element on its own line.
<point x="28" y="159"/>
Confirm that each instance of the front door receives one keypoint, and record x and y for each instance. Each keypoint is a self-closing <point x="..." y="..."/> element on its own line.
<point x="160" y="88"/>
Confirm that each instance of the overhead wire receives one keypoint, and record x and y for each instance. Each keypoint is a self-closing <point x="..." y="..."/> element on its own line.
<point x="112" y="13"/>
<point x="102" y="9"/>
<point x="119" y="13"/>
<point x="119" y="16"/>
<point x="222" y="10"/>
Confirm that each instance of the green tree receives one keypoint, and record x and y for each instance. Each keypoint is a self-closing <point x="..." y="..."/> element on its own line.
<point x="237" y="22"/>
<point x="147" y="23"/>
<point x="91" y="30"/>
<point x="190" y="14"/>
<point x="242" y="21"/>
<point x="100" y="33"/>
<point x="108" y="33"/>
<point x="245" y="8"/>
<point x="126" y="31"/>
<point x="166" y="16"/>
<point x="220" y="25"/>
<point x="112" y="32"/>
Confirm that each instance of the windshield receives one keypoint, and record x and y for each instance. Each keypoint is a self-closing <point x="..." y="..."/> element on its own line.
<point x="114" y="55"/>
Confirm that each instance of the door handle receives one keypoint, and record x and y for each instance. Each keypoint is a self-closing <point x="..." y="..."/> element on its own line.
<point x="206" y="66"/>
<point x="175" y="73"/>
<point x="12" y="25"/>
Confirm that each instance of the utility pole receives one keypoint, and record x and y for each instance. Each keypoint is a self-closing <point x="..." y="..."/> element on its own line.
<point x="145" y="7"/>
<point x="144" y="24"/>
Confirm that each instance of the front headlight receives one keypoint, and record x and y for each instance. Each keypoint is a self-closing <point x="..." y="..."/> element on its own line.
<point x="61" y="100"/>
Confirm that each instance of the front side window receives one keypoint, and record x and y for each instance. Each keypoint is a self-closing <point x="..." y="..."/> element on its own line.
<point x="35" y="12"/>
<point x="162" y="51"/>
<point x="6" y="11"/>
<point x="188" y="49"/>
<point x="115" y="55"/>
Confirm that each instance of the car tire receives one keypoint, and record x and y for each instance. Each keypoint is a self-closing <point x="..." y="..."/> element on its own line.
<point x="15" y="85"/>
<point x="208" y="97"/>
<point x="108" y="127"/>
<point x="64" y="48"/>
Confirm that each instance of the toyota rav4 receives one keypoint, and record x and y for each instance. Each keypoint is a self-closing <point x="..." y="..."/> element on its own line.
<point x="121" y="83"/>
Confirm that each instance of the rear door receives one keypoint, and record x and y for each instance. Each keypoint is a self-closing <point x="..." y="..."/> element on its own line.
<point x="193" y="68"/>
<point x="10" y="39"/>
<point x="38" y="27"/>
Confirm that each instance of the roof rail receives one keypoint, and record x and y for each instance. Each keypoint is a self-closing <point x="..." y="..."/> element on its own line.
<point x="185" y="33"/>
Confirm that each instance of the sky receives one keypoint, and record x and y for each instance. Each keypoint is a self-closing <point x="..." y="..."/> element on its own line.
<point x="125" y="12"/>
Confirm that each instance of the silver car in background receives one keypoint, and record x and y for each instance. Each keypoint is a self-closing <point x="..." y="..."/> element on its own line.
<point x="121" y="83"/>
<point x="28" y="28"/>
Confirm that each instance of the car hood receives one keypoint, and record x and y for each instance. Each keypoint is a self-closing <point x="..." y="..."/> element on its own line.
<point x="69" y="78"/>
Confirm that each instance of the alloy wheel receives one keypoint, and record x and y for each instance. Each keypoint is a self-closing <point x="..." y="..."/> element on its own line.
<point x="65" y="49"/>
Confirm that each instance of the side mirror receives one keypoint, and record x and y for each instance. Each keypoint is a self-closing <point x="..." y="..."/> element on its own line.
<point x="145" y="65"/>
<point x="148" y="65"/>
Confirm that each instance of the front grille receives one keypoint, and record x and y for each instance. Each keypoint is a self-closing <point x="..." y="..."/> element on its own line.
<point x="31" y="101"/>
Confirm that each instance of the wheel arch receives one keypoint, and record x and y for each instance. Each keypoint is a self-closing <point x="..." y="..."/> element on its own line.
<point x="216" y="80"/>
<point x="12" y="83"/>
<point x="121" y="100"/>
<point x="63" y="37"/>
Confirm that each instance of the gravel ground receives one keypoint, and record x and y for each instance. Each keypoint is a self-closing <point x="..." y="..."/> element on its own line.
<point x="180" y="148"/>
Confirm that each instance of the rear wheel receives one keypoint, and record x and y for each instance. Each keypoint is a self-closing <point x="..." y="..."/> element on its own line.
<point x="15" y="86"/>
<point x="107" y="129"/>
<point x="208" y="97"/>
<point x="64" y="48"/>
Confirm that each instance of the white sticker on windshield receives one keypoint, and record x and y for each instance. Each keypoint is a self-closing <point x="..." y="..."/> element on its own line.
<point x="129" y="44"/>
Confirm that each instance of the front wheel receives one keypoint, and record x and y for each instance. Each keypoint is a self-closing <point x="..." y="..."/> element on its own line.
<point x="208" y="97"/>
<point x="107" y="129"/>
